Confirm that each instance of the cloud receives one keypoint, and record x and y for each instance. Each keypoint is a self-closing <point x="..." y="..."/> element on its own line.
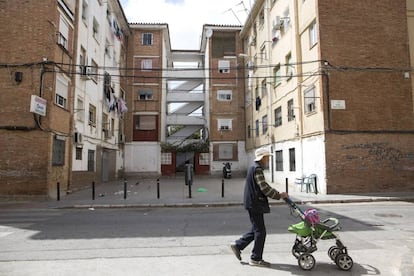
<point x="185" y="18"/>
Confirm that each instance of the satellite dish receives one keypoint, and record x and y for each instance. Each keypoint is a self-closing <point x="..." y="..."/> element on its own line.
<point x="209" y="33"/>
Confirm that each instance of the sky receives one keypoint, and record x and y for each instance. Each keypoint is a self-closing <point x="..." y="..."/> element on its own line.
<point x="185" y="18"/>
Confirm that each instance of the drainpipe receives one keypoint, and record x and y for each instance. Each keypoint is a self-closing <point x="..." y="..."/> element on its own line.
<point x="270" y="99"/>
<point x="299" y="80"/>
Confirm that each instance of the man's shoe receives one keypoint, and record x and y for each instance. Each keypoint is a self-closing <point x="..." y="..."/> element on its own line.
<point x="236" y="251"/>
<point x="260" y="263"/>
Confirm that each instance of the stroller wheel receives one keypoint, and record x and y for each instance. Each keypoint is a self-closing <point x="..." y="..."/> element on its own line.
<point x="306" y="261"/>
<point x="333" y="252"/>
<point x="344" y="262"/>
<point x="295" y="253"/>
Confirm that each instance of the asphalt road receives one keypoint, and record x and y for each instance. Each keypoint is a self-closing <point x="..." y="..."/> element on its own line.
<point x="195" y="241"/>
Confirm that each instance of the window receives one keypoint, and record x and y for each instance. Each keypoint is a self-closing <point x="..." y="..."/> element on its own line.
<point x="58" y="154"/>
<point x="276" y="75"/>
<point x="249" y="99"/>
<point x="224" y="66"/>
<point x="264" y="88"/>
<point x="261" y="17"/>
<point x="82" y="61"/>
<point x="147" y="39"/>
<point x="105" y="126"/>
<point x="292" y="160"/>
<point x="145" y="128"/>
<point x="262" y="54"/>
<point x="286" y="21"/>
<point x="224" y="124"/>
<point x="278" y="116"/>
<point x="309" y="101"/>
<point x="203" y="159"/>
<point x="108" y="16"/>
<point x="92" y="115"/>
<point x="95" y="29"/>
<point x="146" y="65"/>
<point x="264" y="124"/>
<point x="289" y="72"/>
<point x="61" y="94"/>
<point x="91" y="160"/>
<point x="146" y="122"/>
<point x="93" y="70"/>
<point x="108" y="49"/>
<point x="80" y="110"/>
<point x="225" y="151"/>
<point x="279" y="160"/>
<point x="78" y="153"/>
<point x="249" y="131"/>
<point x="166" y="158"/>
<point x="224" y="95"/>
<point x="257" y="128"/>
<point x="313" y="34"/>
<point x="63" y="33"/>
<point x="85" y="11"/>
<point x="291" y="112"/>
<point x="145" y="95"/>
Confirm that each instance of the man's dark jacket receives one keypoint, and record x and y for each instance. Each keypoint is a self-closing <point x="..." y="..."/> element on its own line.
<point x="254" y="199"/>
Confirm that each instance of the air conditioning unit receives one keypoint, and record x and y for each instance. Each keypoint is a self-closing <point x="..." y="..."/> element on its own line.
<point x="275" y="36"/>
<point x="78" y="138"/>
<point x="85" y="72"/>
<point x="277" y="23"/>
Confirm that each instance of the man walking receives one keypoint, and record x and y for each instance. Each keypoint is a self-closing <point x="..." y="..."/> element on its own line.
<point x="256" y="192"/>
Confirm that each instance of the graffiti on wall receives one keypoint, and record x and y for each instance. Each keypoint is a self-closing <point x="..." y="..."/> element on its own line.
<point x="382" y="152"/>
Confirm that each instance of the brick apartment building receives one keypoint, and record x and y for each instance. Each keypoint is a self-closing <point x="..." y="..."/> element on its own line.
<point x="333" y="84"/>
<point x="56" y="126"/>
<point x="37" y="50"/>
<point x="184" y="102"/>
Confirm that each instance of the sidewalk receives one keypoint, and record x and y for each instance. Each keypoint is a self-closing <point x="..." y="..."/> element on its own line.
<point x="205" y="191"/>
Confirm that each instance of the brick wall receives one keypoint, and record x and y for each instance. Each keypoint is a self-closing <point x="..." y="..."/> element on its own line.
<point x="359" y="163"/>
<point x="367" y="34"/>
<point x="136" y="53"/>
<point x="28" y="35"/>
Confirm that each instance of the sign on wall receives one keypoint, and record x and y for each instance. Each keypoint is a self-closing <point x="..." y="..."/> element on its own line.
<point x="38" y="105"/>
<point x="338" y="104"/>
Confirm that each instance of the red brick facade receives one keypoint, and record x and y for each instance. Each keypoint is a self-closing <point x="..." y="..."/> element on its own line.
<point x="370" y="143"/>
<point x="29" y="44"/>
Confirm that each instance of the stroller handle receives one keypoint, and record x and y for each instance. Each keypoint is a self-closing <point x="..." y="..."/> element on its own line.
<point x="294" y="207"/>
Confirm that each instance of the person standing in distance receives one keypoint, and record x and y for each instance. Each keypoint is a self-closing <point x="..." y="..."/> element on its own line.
<point x="256" y="192"/>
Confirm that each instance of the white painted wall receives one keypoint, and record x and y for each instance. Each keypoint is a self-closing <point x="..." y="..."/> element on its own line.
<point x="310" y="159"/>
<point x="143" y="157"/>
<point x="240" y="166"/>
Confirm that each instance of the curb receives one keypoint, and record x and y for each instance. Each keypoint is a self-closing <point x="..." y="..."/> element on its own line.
<point x="229" y="204"/>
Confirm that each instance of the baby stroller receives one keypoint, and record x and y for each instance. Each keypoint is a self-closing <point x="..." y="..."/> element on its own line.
<point x="309" y="231"/>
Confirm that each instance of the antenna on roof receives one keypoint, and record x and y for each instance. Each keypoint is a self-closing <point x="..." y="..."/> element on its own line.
<point x="235" y="15"/>
<point x="244" y="7"/>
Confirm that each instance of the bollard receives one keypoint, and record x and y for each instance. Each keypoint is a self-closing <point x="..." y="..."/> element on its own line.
<point x="58" y="191"/>
<point x="316" y="186"/>
<point x="93" y="190"/>
<point x="158" y="188"/>
<point x="287" y="185"/>
<point x="125" y="189"/>
<point x="189" y="188"/>
<point x="222" y="187"/>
